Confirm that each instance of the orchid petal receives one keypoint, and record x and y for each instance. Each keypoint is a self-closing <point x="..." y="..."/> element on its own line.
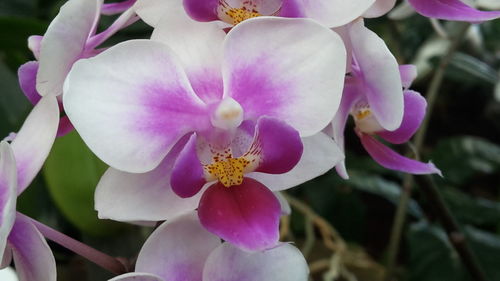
<point x="380" y="72"/>
<point x="320" y="155"/>
<point x="202" y="10"/>
<point x="286" y="209"/>
<point x="452" y="10"/>
<point x="117" y="7"/>
<point x="389" y="159"/>
<point x="8" y="193"/>
<point x="415" y="106"/>
<point x="177" y="250"/>
<point x="27" y="81"/>
<point x="151" y="11"/>
<point x="65" y="126"/>
<point x="379" y="8"/>
<point x="350" y="96"/>
<point x="245" y="215"/>
<point x="132" y="197"/>
<point x="134" y="276"/>
<point x="7" y="257"/>
<point x="278" y="77"/>
<point x="137" y="107"/>
<point x="408" y="74"/>
<point x="32" y="256"/>
<point x="199" y="47"/>
<point x="283" y="263"/>
<point x="34" y="42"/>
<point x="279" y="146"/>
<point x="64" y="43"/>
<point x="34" y="140"/>
<point x="187" y="173"/>
<point x="331" y="13"/>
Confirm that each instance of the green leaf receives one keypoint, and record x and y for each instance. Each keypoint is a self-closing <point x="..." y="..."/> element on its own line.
<point x="432" y="258"/>
<point x="72" y="172"/>
<point x="466" y="68"/>
<point x="460" y="158"/>
<point x="13" y="104"/>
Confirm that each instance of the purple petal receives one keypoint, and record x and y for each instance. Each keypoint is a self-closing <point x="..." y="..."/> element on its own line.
<point x="320" y="155"/>
<point x="279" y="145"/>
<point x="380" y="72"/>
<point x="133" y="276"/>
<point x="331" y="13"/>
<point x="8" y="193"/>
<point x="177" y="250"/>
<point x="415" y="106"/>
<point x="198" y="45"/>
<point x="117" y="7"/>
<point x="187" y="173"/>
<point x="283" y="263"/>
<point x="64" y="43"/>
<point x="408" y="74"/>
<point x="131" y="197"/>
<point x="65" y="126"/>
<point x="350" y="96"/>
<point x="452" y="10"/>
<point x="202" y="10"/>
<point x="32" y="256"/>
<point x="389" y="159"/>
<point x="27" y="81"/>
<point x="34" y="140"/>
<point x="245" y="215"/>
<point x="139" y="104"/>
<point x="302" y="90"/>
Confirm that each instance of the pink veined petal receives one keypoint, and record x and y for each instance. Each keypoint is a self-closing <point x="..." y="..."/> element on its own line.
<point x="139" y="104"/>
<point x="350" y="96"/>
<point x="389" y="159"/>
<point x="202" y="10"/>
<point x="245" y="215"/>
<point x="320" y="155"/>
<point x="199" y="47"/>
<point x="187" y="173"/>
<point x="408" y="74"/>
<point x="8" y="193"/>
<point x="34" y="140"/>
<point x="148" y="196"/>
<point x="302" y="90"/>
<point x="137" y="276"/>
<point x="379" y="8"/>
<point x="380" y="72"/>
<point x="278" y="145"/>
<point x="64" y="43"/>
<point x="32" y="256"/>
<point x="331" y="13"/>
<point x="415" y="106"/>
<point x="177" y="250"/>
<point x="27" y="80"/>
<point x="283" y="263"/>
<point x="452" y="10"/>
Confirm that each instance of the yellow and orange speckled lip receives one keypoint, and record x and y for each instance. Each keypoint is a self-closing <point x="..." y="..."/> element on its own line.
<point x="233" y="15"/>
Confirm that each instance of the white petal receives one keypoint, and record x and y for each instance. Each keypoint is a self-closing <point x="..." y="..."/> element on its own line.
<point x="379" y="8"/>
<point x="320" y="155"/>
<point x="8" y="193"/>
<point x="133" y="276"/>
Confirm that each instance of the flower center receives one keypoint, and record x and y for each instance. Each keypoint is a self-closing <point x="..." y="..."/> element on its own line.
<point x="234" y="16"/>
<point x="229" y="172"/>
<point x="364" y="119"/>
<point x="227" y="115"/>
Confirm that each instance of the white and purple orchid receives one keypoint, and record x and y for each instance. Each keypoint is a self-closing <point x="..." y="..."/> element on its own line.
<point x="211" y="108"/>
<point x="455" y="10"/>
<point x="182" y="249"/>
<point x="376" y="95"/>
<point x="20" y="162"/>
<point x="331" y="13"/>
<point x="70" y="36"/>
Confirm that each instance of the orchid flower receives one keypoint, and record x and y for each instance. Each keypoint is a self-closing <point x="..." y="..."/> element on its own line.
<point x="20" y="161"/>
<point x="210" y="108"/>
<point x="331" y="13"/>
<point x="70" y="37"/>
<point x="182" y="249"/>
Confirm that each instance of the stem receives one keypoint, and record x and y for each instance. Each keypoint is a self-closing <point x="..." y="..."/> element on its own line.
<point x="103" y="260"/>
<point x="432" y="93"/>
<point x="456" y="237"/>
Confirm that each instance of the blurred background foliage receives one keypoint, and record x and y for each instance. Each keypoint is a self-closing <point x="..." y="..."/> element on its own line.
<point x="463" y="140"/>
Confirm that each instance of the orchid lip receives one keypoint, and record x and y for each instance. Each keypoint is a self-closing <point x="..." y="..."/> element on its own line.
<point x="365" y="119"/>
